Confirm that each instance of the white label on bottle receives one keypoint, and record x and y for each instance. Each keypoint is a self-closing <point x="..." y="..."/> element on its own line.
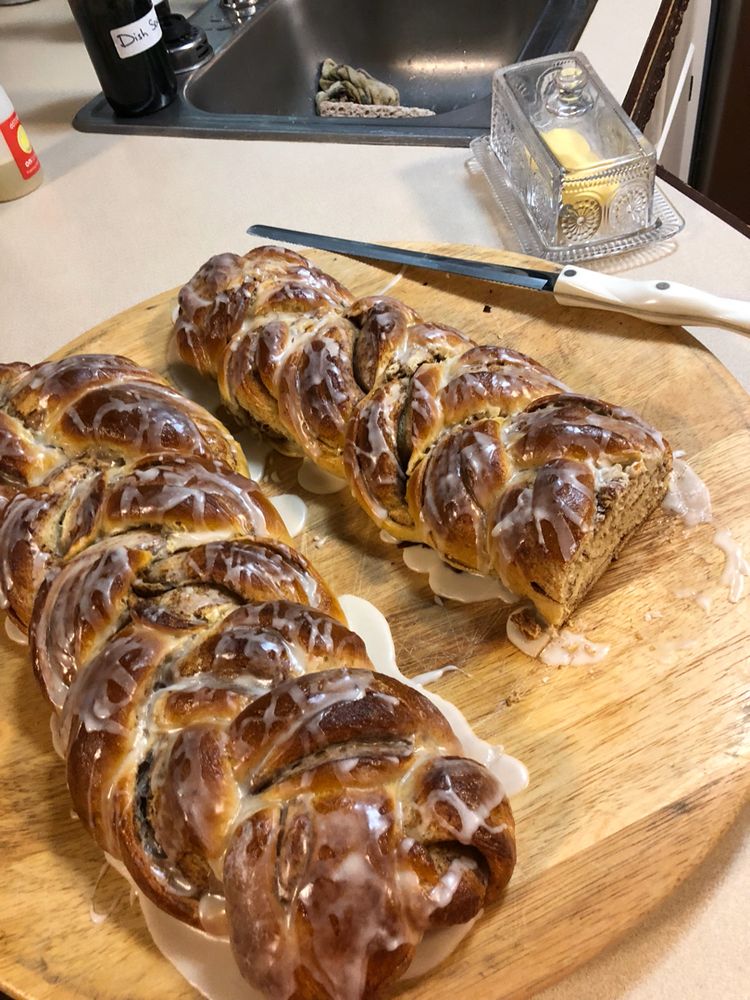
<point x="137" y="36"/>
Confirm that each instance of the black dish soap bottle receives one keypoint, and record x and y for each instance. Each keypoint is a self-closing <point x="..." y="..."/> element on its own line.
<point x="124" y="42"/>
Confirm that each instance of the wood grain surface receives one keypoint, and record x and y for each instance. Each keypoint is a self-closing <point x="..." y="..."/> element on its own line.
<point x="637" y="764"/>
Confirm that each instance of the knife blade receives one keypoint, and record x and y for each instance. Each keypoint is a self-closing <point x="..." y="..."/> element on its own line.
<point x="665" y="302"/>
<point x="487" y="271"/>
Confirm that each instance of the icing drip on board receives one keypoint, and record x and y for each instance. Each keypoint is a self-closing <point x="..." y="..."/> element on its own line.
<point x="95" y="915"/>
<point x="57" y="742"/>
<point x="14" y="633"/>
<point x="316" y="480"/>
<point x="571" y="649"/>
<point x="256" y="452"/>
<point x="468" y="588"/>
<point x="392" y="282"/>
<point x="293" y="512"/>
<point x="206" y="962"/>
<point x="563" y="648"/>
<point x="703" y="600"/>
<point x="528" y="646"/>
<point x="689" y="498"/>
<point x="736" y="567"/>
<point x="688" y="495"/>
<point x="432" y="676"/>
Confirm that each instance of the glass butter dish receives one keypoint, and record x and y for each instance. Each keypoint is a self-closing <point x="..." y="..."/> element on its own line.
<point x="576" y="165"/>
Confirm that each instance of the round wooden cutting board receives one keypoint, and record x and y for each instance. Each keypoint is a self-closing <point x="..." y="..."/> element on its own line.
<point x="637" y="764"/>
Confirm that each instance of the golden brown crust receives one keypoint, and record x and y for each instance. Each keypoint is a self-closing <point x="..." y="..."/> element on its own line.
<point x="225" y="735"/>
<point x="293" y="345"/>
<point x="103" y="406"/>
<point x="398" y="840"/>
<point x="393" y="341"/>
<point x="375" y="471"/>
<point x="477" y="451"/>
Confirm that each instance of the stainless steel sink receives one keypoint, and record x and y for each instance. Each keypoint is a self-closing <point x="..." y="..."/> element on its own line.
<point x="261" y="82"/>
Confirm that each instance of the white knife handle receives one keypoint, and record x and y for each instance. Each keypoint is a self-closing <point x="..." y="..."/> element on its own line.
<point x="655" y="301"/>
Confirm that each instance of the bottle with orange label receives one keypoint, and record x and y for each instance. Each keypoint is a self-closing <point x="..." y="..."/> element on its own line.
<point x="20" y="171"/>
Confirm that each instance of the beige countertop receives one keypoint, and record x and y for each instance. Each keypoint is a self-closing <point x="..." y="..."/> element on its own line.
<point x="121" y="218"/>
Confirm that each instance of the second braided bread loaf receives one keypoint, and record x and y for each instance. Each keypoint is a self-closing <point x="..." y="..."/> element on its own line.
<point x="477" y="451"/>
<point x="225" y="736"/>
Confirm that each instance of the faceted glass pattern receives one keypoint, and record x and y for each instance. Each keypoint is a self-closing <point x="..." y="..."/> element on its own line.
<point x="582" y="169"/>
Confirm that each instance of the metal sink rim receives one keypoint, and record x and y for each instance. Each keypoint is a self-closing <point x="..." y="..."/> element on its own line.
<point x="184" y="118"/>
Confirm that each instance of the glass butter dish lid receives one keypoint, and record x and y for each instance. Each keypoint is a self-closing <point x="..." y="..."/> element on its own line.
<point x="577" y="167"/>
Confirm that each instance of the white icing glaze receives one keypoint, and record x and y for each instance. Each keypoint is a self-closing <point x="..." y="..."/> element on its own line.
<point x="212" y="911"/>
<point x="436" y="947"/>
<point x="96" y="916"/>
<point x="468" y="588"/>
<point x="470" y="819"/>
<point x="736" y="567"/>
<point x="393" y="281"/>
<point x="256" y="452"/>
<point x="373" y="450"/>
<point x="571" y="649"/>
<point x="702" y="599"/>
<point x="316" y="480"/>
<point x="293" y="512"/>
<point x="558" y="507"/>
<point x="431" y="676"/>
<point x="158" y="411"/>
<point x="166" y="487"/>
<point x="563" y="648"/>
<point x="671" y="647"/>
<point x="57" y="741"/>
<point x="191" y="539"/>
<point x="191" y="383"/>
<point x="688" y="495"/>
<point x="531" y="647"/>
<point x="387" y="537"/>
<point x="445" y="890"/>
<point x="206" y="962"/>
<point x="14" y="633"/>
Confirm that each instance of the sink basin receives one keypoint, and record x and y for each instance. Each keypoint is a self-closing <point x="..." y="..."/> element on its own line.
<point x="440" y="54"/>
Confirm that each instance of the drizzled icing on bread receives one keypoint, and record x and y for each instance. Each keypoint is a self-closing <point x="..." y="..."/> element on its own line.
<point x="226" y="737"/>
<point x="477" y="451"/>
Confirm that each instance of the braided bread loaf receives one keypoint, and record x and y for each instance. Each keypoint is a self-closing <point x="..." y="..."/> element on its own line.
<point x="477" y="451"/>
<point x="225" y="735"/>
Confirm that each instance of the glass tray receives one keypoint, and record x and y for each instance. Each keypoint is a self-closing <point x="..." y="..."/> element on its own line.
<point x="668" y="221"/>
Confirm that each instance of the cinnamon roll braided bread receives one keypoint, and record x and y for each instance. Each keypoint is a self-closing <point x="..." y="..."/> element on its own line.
<point x="477" y="451"/>
<point x="225" y="736"/>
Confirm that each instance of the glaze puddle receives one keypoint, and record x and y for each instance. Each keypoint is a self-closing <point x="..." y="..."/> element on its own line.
<point x="444" y="581"/>
<point x="293" y="512"/>
<point x="316" y="480"/>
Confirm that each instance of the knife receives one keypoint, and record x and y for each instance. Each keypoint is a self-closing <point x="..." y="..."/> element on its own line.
<point x="655" y="301"/>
